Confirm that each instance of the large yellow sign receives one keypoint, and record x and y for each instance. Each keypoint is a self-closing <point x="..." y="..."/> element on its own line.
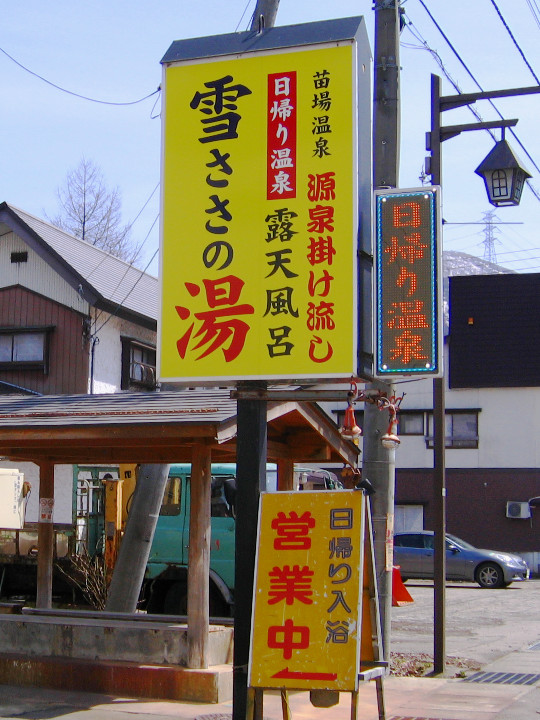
<point x="259" y="219"/>
<point x="307" y="615"/>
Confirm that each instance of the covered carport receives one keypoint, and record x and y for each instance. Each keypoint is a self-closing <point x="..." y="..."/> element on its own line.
<point x="192" y="426"/>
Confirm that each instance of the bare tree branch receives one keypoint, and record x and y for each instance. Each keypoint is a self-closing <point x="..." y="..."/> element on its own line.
<point x="93" y="212"/>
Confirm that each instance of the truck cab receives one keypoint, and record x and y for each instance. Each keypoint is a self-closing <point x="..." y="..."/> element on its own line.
<point x="166" y="571"/>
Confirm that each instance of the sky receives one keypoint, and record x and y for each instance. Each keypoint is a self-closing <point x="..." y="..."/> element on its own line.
<point x="109" y="52"/>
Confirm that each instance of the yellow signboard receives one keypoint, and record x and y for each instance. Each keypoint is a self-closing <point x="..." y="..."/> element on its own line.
<point x="307" y="598"/>
<point x="259" y="216"/>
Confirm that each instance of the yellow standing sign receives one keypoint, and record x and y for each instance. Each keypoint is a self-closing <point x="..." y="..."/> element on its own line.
<point x="308" y="591"/>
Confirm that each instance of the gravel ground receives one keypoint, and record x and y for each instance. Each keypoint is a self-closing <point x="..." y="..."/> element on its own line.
<point x="481" y="626"/>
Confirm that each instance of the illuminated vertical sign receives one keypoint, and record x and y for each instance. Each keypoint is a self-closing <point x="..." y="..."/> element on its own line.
<point x="307" y="606"/>
<point x="408" y="283"/>
<point x="259" y="208"/>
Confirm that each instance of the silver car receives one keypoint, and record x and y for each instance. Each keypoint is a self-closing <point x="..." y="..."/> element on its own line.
<point x="413" y="552"/>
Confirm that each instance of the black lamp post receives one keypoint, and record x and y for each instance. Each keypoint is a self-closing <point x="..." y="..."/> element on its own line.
<point x="514" y="176"/>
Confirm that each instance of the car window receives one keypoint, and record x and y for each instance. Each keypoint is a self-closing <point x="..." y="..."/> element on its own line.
<point x="459" y="542"/>
<point x="412" y="540"/>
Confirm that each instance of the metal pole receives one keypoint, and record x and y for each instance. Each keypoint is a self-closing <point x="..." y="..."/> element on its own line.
<point x="264" y="15"/>
<point x="251" y="456"/>
<point x="378" y="463"/>
<point x="439" y="479"/>
<point x="250" y="481"/>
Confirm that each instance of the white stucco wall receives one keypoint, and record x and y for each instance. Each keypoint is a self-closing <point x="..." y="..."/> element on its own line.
<point x="108" y="351"/>
<point x="508" y="425"/>
<point x="63" y="491"/>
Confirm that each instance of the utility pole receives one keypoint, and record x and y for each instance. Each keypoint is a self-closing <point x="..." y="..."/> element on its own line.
<point x="378" y="463"/>
<point x="264" y="15"/>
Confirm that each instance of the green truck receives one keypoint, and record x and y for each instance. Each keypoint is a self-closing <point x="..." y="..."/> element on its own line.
<point x="165" y="582"/>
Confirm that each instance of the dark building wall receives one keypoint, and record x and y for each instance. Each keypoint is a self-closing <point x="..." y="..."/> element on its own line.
<point x="494" y="331"/>
<point x="68" y="350"/>
<point x="476" y="505"/>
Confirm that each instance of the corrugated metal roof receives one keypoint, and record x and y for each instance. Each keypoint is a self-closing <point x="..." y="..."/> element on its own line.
<point x="212" y="406"/>
<point x="113" y="280"/>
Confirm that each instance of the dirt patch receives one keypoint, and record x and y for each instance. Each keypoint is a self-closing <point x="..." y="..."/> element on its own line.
<point x="421" y="664"/>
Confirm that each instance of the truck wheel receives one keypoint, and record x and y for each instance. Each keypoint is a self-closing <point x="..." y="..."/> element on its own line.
<point x="218" y="605"/>
<point x="175" y="602"/>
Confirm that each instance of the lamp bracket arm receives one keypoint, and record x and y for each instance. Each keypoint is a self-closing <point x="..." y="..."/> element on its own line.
<point x="450" y="131"/>
<point x="446" y="102"/>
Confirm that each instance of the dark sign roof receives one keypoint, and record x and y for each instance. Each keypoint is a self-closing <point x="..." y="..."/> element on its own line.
<point x="271" y="39"/>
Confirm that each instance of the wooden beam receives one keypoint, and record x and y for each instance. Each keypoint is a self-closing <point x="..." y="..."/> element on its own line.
<point x="45" y="536"/>
<point x="105" y="433"/>
<point x="199" y="559"/>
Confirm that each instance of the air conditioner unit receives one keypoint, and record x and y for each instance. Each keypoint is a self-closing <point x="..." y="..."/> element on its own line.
<point x="518" y="510"/>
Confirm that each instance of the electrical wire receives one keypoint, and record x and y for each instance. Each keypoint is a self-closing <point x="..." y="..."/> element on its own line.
<point x="142" y="272"/>
<point x="533" y="12"/>
<point x="527" y="63"/>
<point x="535" y="192"/>
<point x="440" y="63"/>
<point x="70" y="92"/>
<point x="242" y="17"/>
<point x="137" y="249"/>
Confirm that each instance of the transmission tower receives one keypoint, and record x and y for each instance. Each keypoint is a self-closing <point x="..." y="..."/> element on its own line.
<point x="490" y="228"/>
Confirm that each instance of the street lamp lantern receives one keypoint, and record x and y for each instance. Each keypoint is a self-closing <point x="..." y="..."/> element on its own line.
<point x="503" y="175"/>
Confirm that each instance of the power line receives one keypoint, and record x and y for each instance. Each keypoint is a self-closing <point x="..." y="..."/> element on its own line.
<point x="137" y="248"/>
<point x="440" y="63"/>
<point x="515" y="41"/>
<point x="141" y="273"/>
<point x="441" y="31"/>
<point x="242" y="16"/>
<point x="533" y="12"/>
<point x="70" y="92"/>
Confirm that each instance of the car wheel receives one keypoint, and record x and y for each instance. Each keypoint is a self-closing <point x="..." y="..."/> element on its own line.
<point x="490" y="575"/>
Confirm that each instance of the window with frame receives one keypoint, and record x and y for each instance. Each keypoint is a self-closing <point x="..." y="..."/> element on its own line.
<point x="138" y="364"/>
<point x="172" y="500"/>
<point x="410" y="423"/>
<point x="24" y="348"/>
<point x="461" y="429"/>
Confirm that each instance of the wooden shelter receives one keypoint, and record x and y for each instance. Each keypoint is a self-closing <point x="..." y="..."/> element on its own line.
<point x="162" y="427"/>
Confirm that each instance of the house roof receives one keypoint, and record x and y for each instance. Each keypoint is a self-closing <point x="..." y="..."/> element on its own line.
<point x="158" y="427"/>
<point x="104" y="280"/>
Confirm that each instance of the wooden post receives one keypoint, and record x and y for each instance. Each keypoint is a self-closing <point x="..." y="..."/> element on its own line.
<point x="45" y="536"/>
<point x="199" y="559"/>
<point x="285" y="478"/>
<point x="113" y="522"/>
